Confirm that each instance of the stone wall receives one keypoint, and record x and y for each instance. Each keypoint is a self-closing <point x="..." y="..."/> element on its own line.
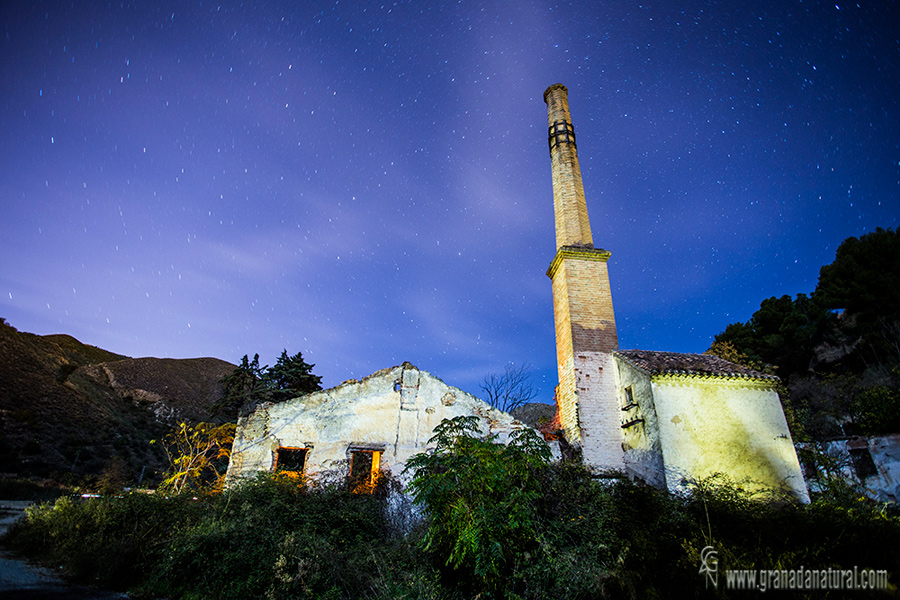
<point x="393" y="412"/>
<point x="735" y="426"/>
<point x="640" y="427"/>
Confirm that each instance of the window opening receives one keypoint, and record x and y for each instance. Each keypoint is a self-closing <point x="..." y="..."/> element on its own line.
<point x="809" y="465"/>
<point x="629" y="399"/>
<point x="364" y="465"/>
<point x="291" y="461"/>
<point x="863" y="463"/>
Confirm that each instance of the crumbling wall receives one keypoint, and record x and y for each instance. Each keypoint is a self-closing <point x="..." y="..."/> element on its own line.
<point x="392" y="412"/>
<point x="873" y="462"/>
<point x="734" y="426"/>
<point x="640" y="426"/>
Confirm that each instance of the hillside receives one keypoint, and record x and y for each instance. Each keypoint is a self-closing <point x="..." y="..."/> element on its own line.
<point x="837" y="350"/>
<point x="67" y="408"/>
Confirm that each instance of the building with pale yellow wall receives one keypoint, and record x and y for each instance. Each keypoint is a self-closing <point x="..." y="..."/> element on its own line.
<point x="661" y="417"/>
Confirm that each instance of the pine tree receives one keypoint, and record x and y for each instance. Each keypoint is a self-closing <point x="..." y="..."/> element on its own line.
<point x="244" y="388"/>
<point x="291" y="377"/>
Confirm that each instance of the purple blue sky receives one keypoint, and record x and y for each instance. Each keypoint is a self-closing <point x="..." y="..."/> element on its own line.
<point x="369" y="182"/>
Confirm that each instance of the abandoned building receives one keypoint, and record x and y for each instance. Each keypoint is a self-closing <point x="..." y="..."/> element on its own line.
<point x="660" y="417"/>
<point x="376" y="423"/>
<point x="871" y="462"/>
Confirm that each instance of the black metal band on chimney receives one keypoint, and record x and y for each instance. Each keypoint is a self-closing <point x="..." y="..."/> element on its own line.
<point x="561" y="132"/>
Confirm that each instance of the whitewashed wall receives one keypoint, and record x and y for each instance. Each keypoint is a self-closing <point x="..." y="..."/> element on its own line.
<point x="394" y="410"/>
<point x="640" y="441"/>
<point x="722" y="425"/>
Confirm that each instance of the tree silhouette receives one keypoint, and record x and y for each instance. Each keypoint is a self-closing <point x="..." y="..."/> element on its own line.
<point x="244" y="388"/>
<point x="249" y="384"/>
<point x="510" y="389"/>
<point x="290" y="377"/>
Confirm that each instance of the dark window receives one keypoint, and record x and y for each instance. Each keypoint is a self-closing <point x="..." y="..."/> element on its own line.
<point x="364" y="465"/>
<point x="291" y="460"/>
<point x="863" y="463"/>
<point x="629" y="399"/>
<point x="810" y="470"/>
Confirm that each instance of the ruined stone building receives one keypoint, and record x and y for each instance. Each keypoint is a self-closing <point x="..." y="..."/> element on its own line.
<point x="360" y="426"/>
<point x="660" y="417"/>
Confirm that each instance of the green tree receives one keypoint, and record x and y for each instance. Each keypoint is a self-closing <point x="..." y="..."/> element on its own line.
<point x="482" y="499"/>
<point x="864" y="281"/>
<point x="244" y="388"/>
<point x="291" y="377"/>
<point x="784" y="332"/>
<point x="864" y="277"/>
<point x="838" y="350"/>
<point x="249" y="384"/>
<point x="198" y="455"/>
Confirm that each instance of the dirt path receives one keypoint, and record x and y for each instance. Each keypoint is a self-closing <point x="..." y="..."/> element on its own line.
<point x="22" y="581"/>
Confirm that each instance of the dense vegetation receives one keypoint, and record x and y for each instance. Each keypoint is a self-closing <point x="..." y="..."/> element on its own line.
<point x="837" y="350"/>
<point x="498" y="522"/>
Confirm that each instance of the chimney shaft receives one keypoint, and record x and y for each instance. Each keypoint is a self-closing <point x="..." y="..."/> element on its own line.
<point x="572" y="225"/>
<point x="582" y="306"/>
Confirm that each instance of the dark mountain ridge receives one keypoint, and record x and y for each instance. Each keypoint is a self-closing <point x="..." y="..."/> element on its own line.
<point x="69" y="411"/>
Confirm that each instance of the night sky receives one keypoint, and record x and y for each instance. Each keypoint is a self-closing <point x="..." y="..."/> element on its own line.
<point x="369" y="182"/>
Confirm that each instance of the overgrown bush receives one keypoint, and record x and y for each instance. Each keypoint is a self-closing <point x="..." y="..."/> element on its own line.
<point x="876" y="410"/>
<point x="287" y="541"/>
<point x="504" y="523"/>
<point x="112" y="542"/>
<point x="268" y="538"/>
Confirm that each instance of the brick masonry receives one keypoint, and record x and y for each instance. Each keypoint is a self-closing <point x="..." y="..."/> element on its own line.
<point x="585" y="340"/>
<point x="572" y="225"/>
<point x="695" y="415"/>
<point x="582" y="307"/>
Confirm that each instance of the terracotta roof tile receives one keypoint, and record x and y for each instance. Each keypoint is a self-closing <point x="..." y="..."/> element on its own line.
<point x="697" y="365"/>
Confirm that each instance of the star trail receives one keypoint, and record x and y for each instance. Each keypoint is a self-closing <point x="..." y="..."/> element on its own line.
<point x="369" y="183"/>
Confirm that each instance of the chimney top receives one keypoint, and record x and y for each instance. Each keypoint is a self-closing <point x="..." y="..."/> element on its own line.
<point x="553" y="87"/>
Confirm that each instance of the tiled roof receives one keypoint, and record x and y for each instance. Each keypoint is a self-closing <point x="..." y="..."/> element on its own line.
<point x="696" y="365"/>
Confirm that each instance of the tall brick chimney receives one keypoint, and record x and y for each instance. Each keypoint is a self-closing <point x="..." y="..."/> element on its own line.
<point x="572" y="225"/>
<point x="582" y="305"/>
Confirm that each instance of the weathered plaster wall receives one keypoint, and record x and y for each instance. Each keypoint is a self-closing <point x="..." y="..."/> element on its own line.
<point x="722" y="425"/>
<point x="884" y="450"/>
<point x="598" y="413"/>
<point x="394" y="411"/>
<point x="640" y="440"/>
